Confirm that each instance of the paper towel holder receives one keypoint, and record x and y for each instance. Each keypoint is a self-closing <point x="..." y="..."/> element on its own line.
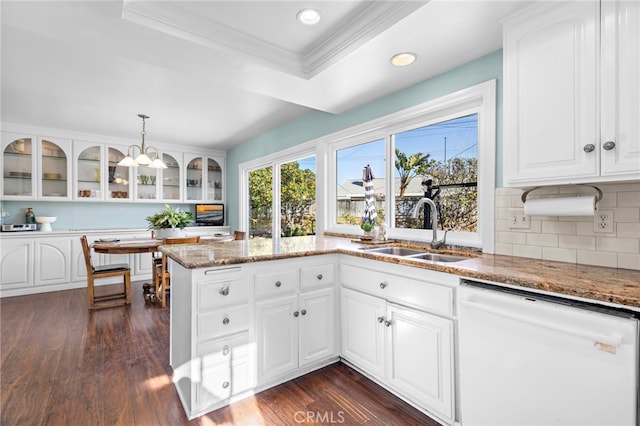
<point x="525" y="193"/>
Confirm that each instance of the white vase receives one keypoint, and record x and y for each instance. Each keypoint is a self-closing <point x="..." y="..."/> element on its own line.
<point x="170" y="233"/>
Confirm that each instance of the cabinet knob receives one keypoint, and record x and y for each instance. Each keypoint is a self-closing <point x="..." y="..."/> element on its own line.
<point x="278" y="283"/>
<point x="383" y="285"/>
<point x="225" y="321"/>
<point x="589" y="147"/>
<point x="319" y="276"/>
<point x="226" y="350"/>
<point x="609" y="145"/>
<point x="296" y="313"/>
<point x="225" y="385"/>
<point x="224" y="291"/>
<point x="303" y="312"/>
<point x="387" y="323"/>
<point x="380" y="319"/>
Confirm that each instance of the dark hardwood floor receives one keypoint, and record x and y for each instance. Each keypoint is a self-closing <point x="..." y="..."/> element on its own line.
<point x="61" y="364"/>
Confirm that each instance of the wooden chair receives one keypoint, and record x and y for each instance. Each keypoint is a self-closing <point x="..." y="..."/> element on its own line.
<point x="239" y="235"/>
<point x="161" y="275"/>
<point x="105" y="271"/>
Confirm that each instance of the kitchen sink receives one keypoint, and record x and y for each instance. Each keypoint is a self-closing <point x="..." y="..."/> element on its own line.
<point x="435" y="257"/>
<point x="395" y="251"/>
<point x="415" y="254"/>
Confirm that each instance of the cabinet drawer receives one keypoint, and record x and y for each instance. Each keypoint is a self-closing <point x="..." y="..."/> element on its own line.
<point x="419" y="294"/>
<point x="222" y="292"/>
<point x="219" y="354"/>
<point x="314" y="276"/>
<point x="218" y="385"/>
<point x="223" y="321"/>
<point x="277" y="283"/>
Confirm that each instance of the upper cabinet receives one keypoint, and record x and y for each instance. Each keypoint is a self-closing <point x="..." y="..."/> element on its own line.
<point x="42" y="168"/>
<point x="572" y="93"/>
<point x="203" y="178"/>
<point x="36" y="167"/>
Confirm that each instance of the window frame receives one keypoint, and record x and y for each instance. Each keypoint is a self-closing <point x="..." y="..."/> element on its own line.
<point x="479" y="99"/>
<point x="275" y="160"/>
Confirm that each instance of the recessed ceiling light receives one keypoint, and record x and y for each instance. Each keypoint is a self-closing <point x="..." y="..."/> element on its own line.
<point x="403" y="59"/>
<point x="308" y="16"/>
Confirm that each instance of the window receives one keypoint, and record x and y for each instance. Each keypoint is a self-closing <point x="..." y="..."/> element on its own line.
<point x="447" y="144"/>
<point x="292" y="211"/>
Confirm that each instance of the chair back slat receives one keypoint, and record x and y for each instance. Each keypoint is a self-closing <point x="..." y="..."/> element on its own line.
<point x="86" y="251"/>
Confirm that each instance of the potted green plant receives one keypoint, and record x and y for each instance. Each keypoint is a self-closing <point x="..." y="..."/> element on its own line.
<point x="170" y="222"/>
<point x="367" y="226"/>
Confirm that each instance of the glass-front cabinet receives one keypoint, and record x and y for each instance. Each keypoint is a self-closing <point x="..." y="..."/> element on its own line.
<point x="35" y="167"/>
<point x="203" y="179"/>
<point x="43" y="168"/>
<point x="171" y="177"/>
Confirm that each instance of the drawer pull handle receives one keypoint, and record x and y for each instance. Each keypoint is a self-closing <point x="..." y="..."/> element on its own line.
<point x="383" y="285"/>
<point x="224" y="291"/>
<point x="225" y="385"/>
<point x="609" y="145"/>
<point x="589" y="147"/>
<point x="303" y="312"/>
<point x="225" y="321"/>
<point x="380" y="319"/>
<point x="319" y="276"/>
<point x="278" y="284"/>
<point x="226" y="350"/>
<point x="387" y="323"/>
<point x="296" y="313"/>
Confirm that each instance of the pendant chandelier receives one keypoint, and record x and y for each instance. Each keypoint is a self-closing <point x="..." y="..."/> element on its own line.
<point x="142" y="158"/>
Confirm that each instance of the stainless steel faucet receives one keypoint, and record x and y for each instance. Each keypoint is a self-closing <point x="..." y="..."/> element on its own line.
<point x="434" y="221"/>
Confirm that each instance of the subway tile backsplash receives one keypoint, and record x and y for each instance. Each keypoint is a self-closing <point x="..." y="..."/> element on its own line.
<point x="573" y="239"/>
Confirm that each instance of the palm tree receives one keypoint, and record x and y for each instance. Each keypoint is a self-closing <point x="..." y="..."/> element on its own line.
<point x="411" y="166"/>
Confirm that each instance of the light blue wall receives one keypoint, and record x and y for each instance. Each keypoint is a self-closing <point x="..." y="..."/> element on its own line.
<point x="317" y="124"/>
<point x="87" y="215"/>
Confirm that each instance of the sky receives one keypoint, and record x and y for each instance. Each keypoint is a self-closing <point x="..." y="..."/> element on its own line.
<point x="448" y="139"/>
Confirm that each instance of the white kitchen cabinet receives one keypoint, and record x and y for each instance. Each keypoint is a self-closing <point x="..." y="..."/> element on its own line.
<point x="210" y="349"/>
<point x="53" y="257"/>
<point x="572" y="93"/>
<point x="294" y="328"/>
<point x="16" y="263"/>
<point x="419" y="358"/>
<point x="203" y="178"/>
<point x="399" y="330"/>
<point x="171" y="179"/>
<point x="363" y="333"/>
<point x="36" y="167"/>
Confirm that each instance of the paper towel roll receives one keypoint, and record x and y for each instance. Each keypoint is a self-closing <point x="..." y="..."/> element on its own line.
<point x="567" y="206"/>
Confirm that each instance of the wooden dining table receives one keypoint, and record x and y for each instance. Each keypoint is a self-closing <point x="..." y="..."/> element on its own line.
<point x="126" y="246"/>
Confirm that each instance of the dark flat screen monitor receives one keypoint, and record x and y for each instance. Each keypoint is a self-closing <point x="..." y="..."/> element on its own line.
<point x="210" y="214"/>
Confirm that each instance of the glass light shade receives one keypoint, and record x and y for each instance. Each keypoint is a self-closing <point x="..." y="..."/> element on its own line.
<point x="128" y="162"/>
<point x="157" y="164"/>
<point x="143" y="159"/>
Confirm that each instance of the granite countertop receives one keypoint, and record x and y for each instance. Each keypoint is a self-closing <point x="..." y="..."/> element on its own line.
<point x="611" y="285"/>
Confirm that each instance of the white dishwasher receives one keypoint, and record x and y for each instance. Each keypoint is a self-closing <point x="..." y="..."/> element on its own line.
<point x="532" y="359"/>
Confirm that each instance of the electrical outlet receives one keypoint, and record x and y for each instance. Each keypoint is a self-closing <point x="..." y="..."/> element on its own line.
<point x="603" y="222"/>
<point x="517" y="219"/>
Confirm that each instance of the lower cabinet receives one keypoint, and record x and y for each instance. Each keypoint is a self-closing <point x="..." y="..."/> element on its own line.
<point x="407" y="349"/>
<point x="295" y="316"/>
<point x="294" y="331"/>
<point x="16" y="264"/>
<point x="210" y="348"/>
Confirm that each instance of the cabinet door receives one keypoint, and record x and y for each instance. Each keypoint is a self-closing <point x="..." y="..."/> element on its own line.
<point x="214" y="180"/>
<point x="550" y="110"/>
<point x="16" y="264"/>
<point x="363" y="331"/>
<point x="620" y="85"/>
<point x="277" y="331"/>
<point x="89" y="171"/>
<point x="18" y="166"/>
<point x="119" y="177"/>
<point x="317" y="326"/>
<point x="53" y="261"/>
<point x="55" y="161"/>
<point x="419" y="358"/>
<point x="171" y="177"/>
<point x="194" y="177"/>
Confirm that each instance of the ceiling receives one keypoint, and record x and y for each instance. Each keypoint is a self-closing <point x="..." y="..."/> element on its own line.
<point x="214" y="74"/>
